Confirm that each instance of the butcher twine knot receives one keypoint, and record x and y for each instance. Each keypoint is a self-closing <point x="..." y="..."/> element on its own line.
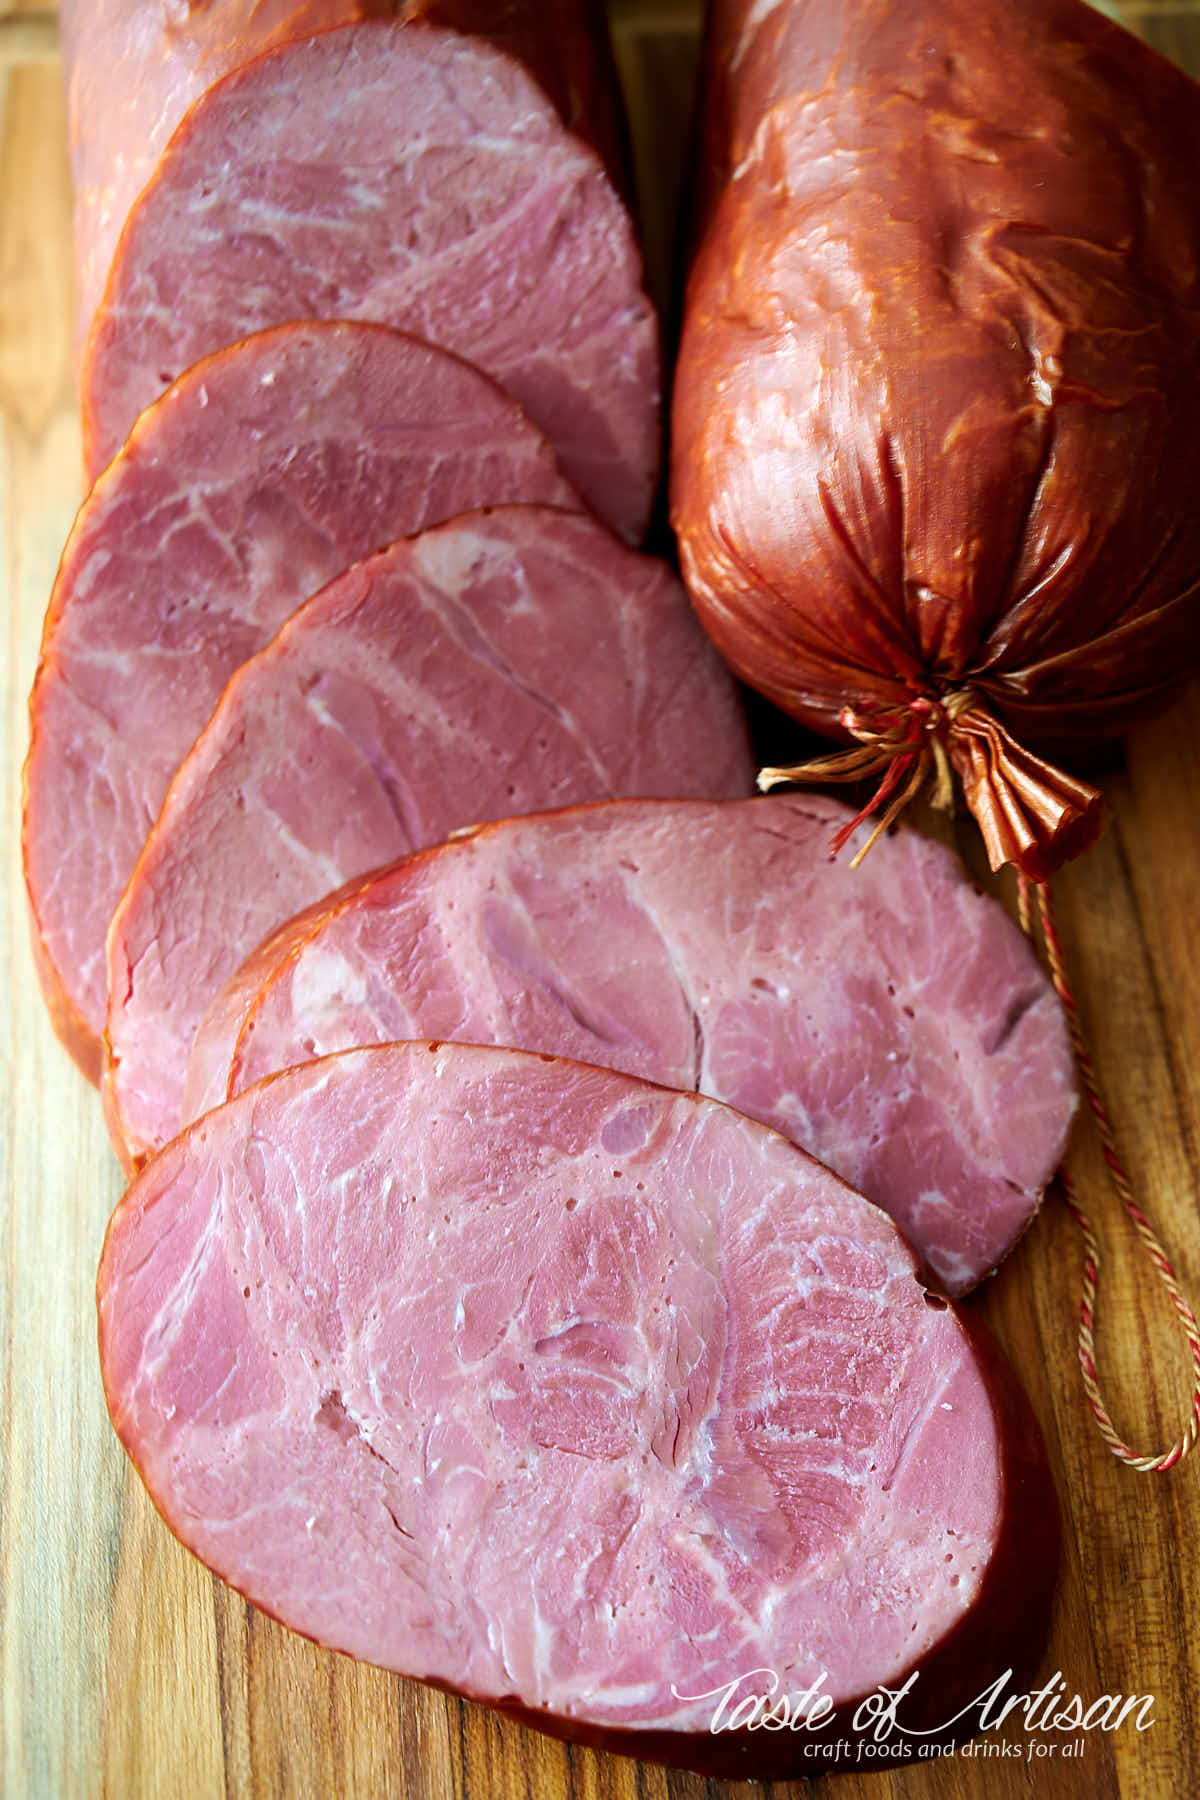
<point x="907" y="744"/>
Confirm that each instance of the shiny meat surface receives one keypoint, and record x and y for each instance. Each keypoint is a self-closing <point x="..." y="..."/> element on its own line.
<point x="937" y="404"/>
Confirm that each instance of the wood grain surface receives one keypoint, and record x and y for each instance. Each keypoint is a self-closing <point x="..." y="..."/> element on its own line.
<point x="125" y="1669"/>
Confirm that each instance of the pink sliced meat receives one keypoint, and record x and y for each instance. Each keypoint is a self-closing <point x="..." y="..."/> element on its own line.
<point x="133" y="68"/>
<point x="264" y="471"/>
<point x="890" y="1019"/>
<point x="576" y="1395"/>
<point x="410" y="176"/>
<point x="509" y="661"/>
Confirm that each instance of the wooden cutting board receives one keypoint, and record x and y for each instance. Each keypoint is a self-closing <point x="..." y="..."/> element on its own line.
<point x="125" y="1669"/>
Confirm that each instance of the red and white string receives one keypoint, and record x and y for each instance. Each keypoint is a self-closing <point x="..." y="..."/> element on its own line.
<point x="1033" y="896"/>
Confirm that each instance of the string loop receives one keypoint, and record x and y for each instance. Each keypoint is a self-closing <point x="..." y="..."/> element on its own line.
<point x="1166" y="1459"/>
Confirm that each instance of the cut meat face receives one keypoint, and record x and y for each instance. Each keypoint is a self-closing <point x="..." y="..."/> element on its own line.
<point x="134" y="67"/>
<point x="412" y="177"/>
<point x="264" y="472"/>
<point x="890" y="1019"/>
<point x="573" y="1394"/>
<point x="511" y="660"/>
<point x="132" y="71"/>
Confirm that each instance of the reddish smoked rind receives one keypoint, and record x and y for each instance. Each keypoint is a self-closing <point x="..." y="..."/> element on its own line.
<point x="133" y="68"/>
<point x="612" y="1400"/>
<point x="891" y="1019"/>
<point x="266" y="470"/>
<point x="938" y="399"/>
<point x="432" y="187"/>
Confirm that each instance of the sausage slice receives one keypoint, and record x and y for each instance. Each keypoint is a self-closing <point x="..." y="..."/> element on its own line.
<point x="133" y="68"/>
<point x="410" y="176"/>
<point x="575" y="1395"/>
<point x="508" y="661"/>
<point x="266" y="470"/>
<point x="890" y="1019"/>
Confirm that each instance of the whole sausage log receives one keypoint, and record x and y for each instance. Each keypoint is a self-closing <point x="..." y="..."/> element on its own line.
<point x="938" y="402"/>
